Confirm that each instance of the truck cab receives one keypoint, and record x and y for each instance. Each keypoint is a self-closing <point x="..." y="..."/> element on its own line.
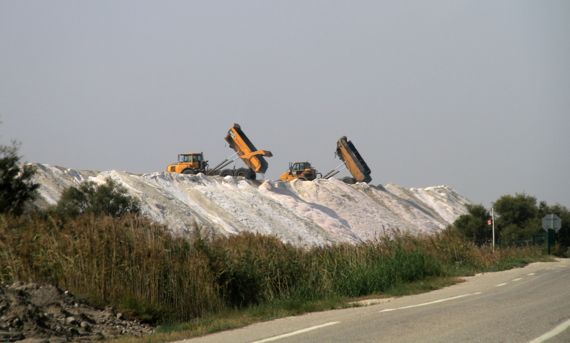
<point x="299" y="170"/>
<point x="189" y="163"/>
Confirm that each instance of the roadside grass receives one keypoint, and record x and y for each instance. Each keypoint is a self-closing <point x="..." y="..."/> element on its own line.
<point x="422" y="286"/>
<point x="193" y="286"/>
<point x="234" y="319"/>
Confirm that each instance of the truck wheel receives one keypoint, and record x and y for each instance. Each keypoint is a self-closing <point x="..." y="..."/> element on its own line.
<point x="349" y="180"/>
<point x="189" y="171"/>
<point x="246" y="173"/>
<point x="226" y="172"/>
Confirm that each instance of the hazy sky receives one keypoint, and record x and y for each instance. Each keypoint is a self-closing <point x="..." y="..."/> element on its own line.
<point x="473" y="94"/>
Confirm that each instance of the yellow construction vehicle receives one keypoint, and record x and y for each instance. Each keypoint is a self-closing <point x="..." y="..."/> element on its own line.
<point x="190" y="163"/>
<point x="299" y="170"/>
<point x="355" y="164"/>
<point x="248" y="153"/>
<point x="194" y="163"/>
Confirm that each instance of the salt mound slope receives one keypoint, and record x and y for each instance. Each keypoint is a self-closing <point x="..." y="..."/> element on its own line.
<point x="298" y="212"/>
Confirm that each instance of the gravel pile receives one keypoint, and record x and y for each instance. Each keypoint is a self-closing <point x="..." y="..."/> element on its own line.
<point x="43" y="313"/>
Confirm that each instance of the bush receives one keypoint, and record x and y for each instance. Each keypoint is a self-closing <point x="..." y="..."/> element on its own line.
<point x="473" y="225"/>
<point x="16" y="186"/>
<point x="108" y="199"/>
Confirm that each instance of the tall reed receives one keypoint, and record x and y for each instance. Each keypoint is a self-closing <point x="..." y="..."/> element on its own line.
<point x="139" y="267"/>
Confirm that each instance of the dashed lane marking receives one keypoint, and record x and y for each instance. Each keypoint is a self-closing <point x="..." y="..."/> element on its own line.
<point x="554" y="332"/>
<point x="517" y="279"/>
<point x="431" y="302"/>
<point x="275" y="338"/>
<point x="501" y="284"/>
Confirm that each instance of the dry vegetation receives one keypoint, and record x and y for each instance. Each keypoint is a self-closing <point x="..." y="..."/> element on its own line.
<point x="138" y="267"/>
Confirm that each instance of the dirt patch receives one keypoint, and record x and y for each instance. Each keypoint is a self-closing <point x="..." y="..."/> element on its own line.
<point x="370" y="302"/>
<point x="43" y="313"/>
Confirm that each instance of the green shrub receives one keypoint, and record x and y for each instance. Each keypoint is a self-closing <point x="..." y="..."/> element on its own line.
<point x="17" y="188"/>
<point x="107" y="199"/>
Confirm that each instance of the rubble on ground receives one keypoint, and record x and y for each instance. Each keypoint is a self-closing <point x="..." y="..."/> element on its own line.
<point x="44" y="313"/>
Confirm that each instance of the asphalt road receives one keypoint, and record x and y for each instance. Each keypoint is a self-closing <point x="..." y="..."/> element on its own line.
<point x="530" y="304"/>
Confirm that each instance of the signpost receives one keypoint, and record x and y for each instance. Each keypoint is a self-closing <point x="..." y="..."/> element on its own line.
<point x="551" y="223"/>
<point x="491" y="221"/>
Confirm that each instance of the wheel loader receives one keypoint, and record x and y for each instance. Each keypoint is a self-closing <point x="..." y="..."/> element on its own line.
<point x="300" y="171"/>
<point x="194" y="163"/>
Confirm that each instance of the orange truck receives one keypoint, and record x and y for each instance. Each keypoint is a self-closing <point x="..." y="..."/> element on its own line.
<point x="194" y="163"/>
<point x="244" y="148"/>
<point x="346" y="151"/>
<point x="189" y="163"/>
<point x="299" y="171"/>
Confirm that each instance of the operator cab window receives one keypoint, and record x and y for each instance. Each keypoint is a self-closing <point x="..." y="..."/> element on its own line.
<point x="184" y="158"/>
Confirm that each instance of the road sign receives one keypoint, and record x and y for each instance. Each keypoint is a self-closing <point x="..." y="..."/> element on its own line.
<point x="551" y="222"/>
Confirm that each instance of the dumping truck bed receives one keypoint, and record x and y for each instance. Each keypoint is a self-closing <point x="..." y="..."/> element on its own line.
<point x="355" y="164"/>
<point x="245" y="150"/>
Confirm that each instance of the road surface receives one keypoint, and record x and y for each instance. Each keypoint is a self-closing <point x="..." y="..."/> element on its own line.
<point x="530" y="304"/>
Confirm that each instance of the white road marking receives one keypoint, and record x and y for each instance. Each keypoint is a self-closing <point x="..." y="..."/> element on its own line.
<point x="531" y="274"/>
<point x="517" y="279"/>
<point x="557" y="330"/>
<point x="274" y="338"/>
<point x="431" y="302"/>
<point x="501" y="284"/>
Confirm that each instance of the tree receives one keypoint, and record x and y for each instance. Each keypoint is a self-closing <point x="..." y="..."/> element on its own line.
<point x="519" y="209"/>
<point x="109" y="198"/>
<point x="473" y="225"/>
<point x="17" y="188"/>
<point x="517" y="217"/>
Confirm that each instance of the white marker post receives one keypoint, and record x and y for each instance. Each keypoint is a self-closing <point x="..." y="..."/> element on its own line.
<point x="493" y="222"/>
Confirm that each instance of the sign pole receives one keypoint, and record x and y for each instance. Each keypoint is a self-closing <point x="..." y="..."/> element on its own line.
<point x="551" y="223"/>
<point x="548" y="240"/>
<point x="493" y="222"/>
<point x="549" y="234"/>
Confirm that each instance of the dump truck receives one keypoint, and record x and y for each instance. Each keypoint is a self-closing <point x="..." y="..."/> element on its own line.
<point x="194" y="163"/>
<point x="299" y="170"/>
<point x="355" y="164"/>
<point x="246" y="151"/>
